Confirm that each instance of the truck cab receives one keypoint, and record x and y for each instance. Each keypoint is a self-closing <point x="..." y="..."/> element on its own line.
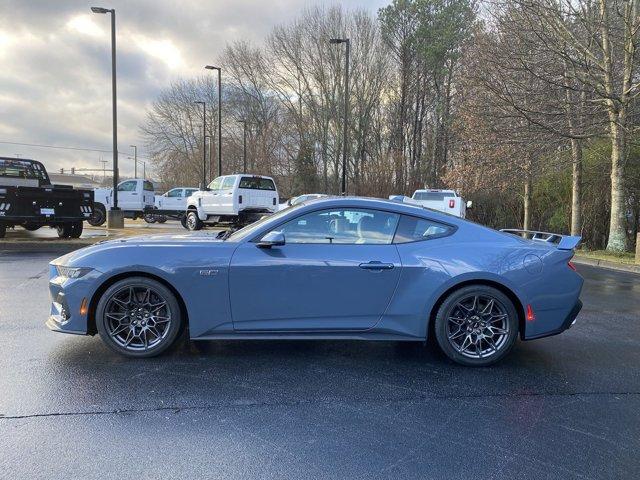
<point x="236" y="200"/>
<point x="134" y="197"/>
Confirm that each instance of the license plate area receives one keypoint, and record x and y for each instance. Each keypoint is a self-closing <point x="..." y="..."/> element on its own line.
<point x="47" y="211"/>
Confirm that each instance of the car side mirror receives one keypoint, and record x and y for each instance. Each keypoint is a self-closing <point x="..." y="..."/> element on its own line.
<point x="289" y="202"/>
<point x="272" y="239"/>
<point x="469" y="204"/>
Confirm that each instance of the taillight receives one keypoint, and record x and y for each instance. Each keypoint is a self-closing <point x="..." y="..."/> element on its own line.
<point x="452" y="203"/>
<point x="239" y="198"/>
<point x="530" y="315"/>
<point x="571" y="266"/>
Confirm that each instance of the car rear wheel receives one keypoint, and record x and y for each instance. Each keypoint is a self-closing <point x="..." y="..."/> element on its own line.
<point x="476" y="325"/>
<point x="138" y="317"/>
<point x="31" y="227"/>
<point x="193" y="222"/>
<point x="150" y="218"/>
<point x="3" y="230"/>
<point x="98" y="216"/>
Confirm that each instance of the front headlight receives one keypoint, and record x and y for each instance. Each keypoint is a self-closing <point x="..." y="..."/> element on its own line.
<point x="72" y="272"/>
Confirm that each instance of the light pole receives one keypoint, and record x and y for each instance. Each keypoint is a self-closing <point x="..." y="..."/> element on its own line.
<point x="244" y="145"/>
<point x="204" y="141"/>
<point x="346" y="111"/>
<point x="114" y="220"/>
<point x="135" y="160"/>
<point x="211" y="67"/>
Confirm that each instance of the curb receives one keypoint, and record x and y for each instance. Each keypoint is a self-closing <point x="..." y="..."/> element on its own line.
<point x="594" y="262"/>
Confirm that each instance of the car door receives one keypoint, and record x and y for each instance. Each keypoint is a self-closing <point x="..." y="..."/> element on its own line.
<point x="210" y="198"/>
<point x="337" y="270"/>
<point x="174" y="200"/>
<point x="128" y="197"/>
<point x="225" y="198"/>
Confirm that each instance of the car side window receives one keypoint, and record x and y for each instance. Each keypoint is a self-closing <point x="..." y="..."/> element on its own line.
<point x="176" y="192"/>
<point x="342" y="226"/>
<point x="129" y="186"/>
<point x="228" y="183"/>
<point x="216" y="184"/>
<point x="414" y="229"/>
<point x="190" y="192"/>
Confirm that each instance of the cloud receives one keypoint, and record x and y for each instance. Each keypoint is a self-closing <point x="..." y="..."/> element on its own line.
<point x="55" y="65"/>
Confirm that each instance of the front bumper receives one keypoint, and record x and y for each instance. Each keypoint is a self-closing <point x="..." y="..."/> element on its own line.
<point x="67" y="296"/>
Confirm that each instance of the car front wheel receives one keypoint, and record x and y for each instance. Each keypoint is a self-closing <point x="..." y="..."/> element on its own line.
<point x="476" y="325"/>
<point x="138" y="317"/>
<point x="193" y="222"/>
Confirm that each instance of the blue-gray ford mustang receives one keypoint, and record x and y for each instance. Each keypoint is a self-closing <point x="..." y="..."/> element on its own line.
<point x="333" y="268"/>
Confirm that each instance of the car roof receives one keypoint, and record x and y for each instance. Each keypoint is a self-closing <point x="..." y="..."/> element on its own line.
<point x="383" y="204"/>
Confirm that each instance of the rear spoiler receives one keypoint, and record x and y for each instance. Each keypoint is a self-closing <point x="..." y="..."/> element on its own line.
<point x="563" y="242"/>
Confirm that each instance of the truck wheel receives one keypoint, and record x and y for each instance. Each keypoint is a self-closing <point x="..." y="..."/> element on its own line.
<point x="193" y="222"/>
<point x="183" y="221"/>
<point x="64" y="230"/>
<point x="161" y="219"/>
<point x="32" y="227"/>
<point x="150" y="218"/>
<point x="3" y="230"/>
<point x="99" y="215"/>
<point x="76" y="229"/>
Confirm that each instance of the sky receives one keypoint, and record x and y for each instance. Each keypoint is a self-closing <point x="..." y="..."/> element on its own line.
<point x="55" y="67"/>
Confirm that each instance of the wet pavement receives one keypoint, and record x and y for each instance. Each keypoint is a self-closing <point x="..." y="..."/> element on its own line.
<point x="562" y="407"/>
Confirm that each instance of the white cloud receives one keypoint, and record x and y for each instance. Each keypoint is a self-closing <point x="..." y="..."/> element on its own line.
<point x="84" y="24"/>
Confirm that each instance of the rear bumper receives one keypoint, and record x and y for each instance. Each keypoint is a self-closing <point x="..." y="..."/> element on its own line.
<point x="566" y="324"/>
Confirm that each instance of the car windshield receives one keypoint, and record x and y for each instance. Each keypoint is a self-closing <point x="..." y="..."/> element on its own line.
<point x="22" y="169"/>
<point x="254" y="227"/>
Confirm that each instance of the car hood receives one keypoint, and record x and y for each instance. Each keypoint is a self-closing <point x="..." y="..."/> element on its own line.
<point x="79" y="257"/>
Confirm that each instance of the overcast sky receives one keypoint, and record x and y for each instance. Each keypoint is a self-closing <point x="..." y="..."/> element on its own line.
<point x="55" y="66"/>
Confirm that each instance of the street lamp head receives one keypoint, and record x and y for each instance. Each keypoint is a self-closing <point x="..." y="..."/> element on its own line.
<point x="200" y="102"/>
<point x="338" y="40"/>
<point x="100" y="10"/>
<point x="211" y="67"/>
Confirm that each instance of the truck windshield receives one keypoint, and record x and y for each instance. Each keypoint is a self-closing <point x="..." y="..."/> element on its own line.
<point x="13" y="168"/>
<point x="257" y="183"/>
<point x="434" y="196"/>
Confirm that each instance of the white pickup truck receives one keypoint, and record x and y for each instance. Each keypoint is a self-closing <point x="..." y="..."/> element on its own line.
<point x="172" y="204"/>
<point x="134" y="197"/>
<point x="447" y="201"/>
<point x="235" y="200"/>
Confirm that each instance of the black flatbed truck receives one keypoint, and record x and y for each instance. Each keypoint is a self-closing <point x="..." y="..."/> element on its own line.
<point x="28" y="199"/>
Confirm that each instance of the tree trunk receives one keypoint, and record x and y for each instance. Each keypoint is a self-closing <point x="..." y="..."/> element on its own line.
<point x="576" y="187"/>
<point x="617" y="229"/>
<point x="527" y="202"/>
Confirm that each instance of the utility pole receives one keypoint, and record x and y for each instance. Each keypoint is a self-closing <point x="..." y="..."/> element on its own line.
<point x="115" y="219"/>
<point x="211" y="67"/>
<point x="345" y="139"/>
<point x="204" y="141"/>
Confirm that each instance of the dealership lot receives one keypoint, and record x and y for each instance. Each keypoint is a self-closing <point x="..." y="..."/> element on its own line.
<point x="562" y="407"/>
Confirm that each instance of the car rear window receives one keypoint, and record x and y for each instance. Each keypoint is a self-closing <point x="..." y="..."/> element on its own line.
<point x="257" y="183"/>
<point x="434" y="196"/>
<point x="148" y="186"/>
<point x="414" y="229"/>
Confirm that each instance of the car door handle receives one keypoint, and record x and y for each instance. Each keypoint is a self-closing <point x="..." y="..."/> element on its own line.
<point x="375" y="265"/>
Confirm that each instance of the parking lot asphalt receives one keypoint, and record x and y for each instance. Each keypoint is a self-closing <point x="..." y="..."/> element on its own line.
<point x="562" y="407"/>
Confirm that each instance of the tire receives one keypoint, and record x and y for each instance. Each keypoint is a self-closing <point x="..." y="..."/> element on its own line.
<point x="193" y="222"/>
<point x="161" y="219"/>
<point x="3" y="230"/>
<point x="76" y="229"/>
<point x="140" y="334"/>
<point x="149" y="218"/>
<point x="183" y="221"/>
<point x="31" y="227"/>
<point x="476" y="325"/>
<point x="99" y="215"/>
<point x="64" y="230"/>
